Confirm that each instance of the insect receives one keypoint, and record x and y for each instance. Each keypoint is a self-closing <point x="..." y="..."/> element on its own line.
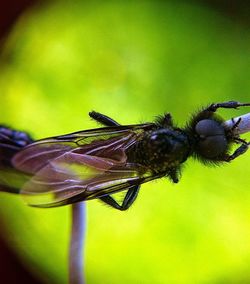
<point x="99" y="162"/>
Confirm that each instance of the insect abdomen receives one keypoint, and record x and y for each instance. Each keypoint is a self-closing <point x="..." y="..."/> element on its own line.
<point x="11" y="141"/>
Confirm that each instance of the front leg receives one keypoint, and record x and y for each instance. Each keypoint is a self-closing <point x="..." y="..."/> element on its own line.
<point x="103" y="119"/>
<point x="238" y="152"/>
<point x="165" y="120"/>
<point x="128" y="200"/>
<point x="230" y="104"/>
<point x="173" y="174"/>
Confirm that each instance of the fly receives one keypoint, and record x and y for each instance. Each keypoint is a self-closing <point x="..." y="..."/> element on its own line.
<point x="100" y="162"/>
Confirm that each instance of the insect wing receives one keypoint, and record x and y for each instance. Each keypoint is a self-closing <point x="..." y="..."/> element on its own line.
<point x="35" y="156"/>
<point x="73" y="177"/>
<point x="79" y="166"/>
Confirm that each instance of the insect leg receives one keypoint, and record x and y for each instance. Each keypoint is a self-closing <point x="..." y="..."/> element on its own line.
<point x="165" y="120"/>
<point x="230" y="104"/>
<point x="174" y="175"/>
<point x="128" y="200"/>
<point x="130" y="197"/>
<point x="103" y="119"/>
<point x="239" y="151"/>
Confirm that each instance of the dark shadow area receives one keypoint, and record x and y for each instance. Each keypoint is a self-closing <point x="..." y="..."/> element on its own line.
<point x="12" y="270"/>
<point x="9" y="13"/>
<point x="237" y="10"/>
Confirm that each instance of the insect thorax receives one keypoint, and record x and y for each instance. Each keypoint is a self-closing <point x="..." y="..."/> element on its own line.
<point x="161" y="150"/>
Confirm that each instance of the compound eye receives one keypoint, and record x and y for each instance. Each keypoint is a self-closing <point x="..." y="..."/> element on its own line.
<point x="208" y="127"/>
<point x="212" y="142"/>
<point x="212" y="147"/>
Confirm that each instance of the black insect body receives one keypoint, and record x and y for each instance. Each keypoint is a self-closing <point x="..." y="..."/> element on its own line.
<point x="100" y="162"/>
<point x="11" y="142"/>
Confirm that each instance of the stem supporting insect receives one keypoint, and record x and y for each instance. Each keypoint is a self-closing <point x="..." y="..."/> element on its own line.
<point x="76" y="252"/>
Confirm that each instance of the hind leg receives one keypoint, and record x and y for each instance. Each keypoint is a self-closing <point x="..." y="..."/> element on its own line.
<point x="128" y="200"/>
<point x="103" y="119"/>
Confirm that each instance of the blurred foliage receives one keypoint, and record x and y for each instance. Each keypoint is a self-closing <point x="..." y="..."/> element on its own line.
<point x="132" y="61"/>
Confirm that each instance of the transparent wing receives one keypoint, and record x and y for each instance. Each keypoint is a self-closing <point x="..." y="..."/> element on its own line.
<point x="73" y="177"/>
<point x="80" y="166"/>
<point x="100" y="141"/>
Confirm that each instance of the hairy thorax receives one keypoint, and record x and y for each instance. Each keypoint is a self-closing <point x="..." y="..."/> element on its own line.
<point x="161" y="150"/>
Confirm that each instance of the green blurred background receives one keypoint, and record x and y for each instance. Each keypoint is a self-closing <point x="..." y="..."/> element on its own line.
<point x="131" y="61"/>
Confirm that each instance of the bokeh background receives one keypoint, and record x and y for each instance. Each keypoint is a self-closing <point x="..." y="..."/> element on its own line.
<point x="131" y="60"/>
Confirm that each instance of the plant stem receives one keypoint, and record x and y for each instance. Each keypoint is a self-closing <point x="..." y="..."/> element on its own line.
<point x="244" y="125"/>
<point x="76" y="253"/>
